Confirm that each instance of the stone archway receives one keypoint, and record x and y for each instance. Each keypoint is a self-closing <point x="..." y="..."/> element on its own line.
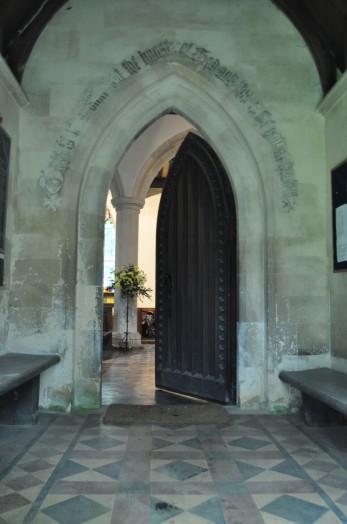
<point x="153" y="148"/>
<point x="171" y="88"/>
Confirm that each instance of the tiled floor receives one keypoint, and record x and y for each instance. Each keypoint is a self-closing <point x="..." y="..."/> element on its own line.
<point x="256" y="468"/>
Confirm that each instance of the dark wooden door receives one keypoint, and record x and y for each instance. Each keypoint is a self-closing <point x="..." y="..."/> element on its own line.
<point x="196" y="277"/>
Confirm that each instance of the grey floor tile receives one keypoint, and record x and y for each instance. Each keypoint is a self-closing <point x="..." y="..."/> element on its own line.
<point x="149" y="474"/>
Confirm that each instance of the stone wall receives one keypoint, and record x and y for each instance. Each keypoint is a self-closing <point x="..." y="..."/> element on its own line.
<point x="99" y="75"/>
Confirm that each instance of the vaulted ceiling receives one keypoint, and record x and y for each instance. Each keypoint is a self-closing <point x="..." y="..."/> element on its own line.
<point x="322" y="23"/>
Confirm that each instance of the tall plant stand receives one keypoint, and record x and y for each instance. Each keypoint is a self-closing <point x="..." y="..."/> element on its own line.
<point x="126" y="343"/>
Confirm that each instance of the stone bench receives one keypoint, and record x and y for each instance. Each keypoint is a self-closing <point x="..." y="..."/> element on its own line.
<point x="20" y="384"/>
<point x="324" y="395"/>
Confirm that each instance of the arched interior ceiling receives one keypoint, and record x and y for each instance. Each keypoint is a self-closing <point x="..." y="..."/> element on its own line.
<point x="322" y="23"/>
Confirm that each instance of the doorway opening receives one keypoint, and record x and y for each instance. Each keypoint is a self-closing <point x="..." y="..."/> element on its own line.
<point x="150" y="322"/>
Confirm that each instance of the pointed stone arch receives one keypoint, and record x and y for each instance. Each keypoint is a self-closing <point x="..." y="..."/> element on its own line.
<point x="164" y="89"/>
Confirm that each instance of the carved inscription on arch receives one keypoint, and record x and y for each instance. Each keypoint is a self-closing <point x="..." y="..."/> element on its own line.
<point x="203" y="61"/>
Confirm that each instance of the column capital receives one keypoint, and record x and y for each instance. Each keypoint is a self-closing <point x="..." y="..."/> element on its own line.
<point x="121" y="203"/>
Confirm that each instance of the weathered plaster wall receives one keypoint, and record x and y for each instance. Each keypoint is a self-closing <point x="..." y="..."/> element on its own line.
<point x="334" y="109"/>
<point x="99" y="75"/>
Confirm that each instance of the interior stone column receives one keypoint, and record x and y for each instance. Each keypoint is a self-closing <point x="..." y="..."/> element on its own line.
<point x="127" y="241"/>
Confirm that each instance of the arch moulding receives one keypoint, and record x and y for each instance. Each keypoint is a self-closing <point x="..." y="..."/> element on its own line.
<point x="164" y="89"/>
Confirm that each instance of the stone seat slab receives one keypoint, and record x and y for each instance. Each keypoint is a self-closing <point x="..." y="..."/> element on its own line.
<point x="327" y="386"/>
<point x="20" y="385"/>
<point x="17" y="368"/>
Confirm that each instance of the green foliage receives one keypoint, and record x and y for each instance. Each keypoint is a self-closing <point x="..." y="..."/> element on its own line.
<point x="131" y="281"/>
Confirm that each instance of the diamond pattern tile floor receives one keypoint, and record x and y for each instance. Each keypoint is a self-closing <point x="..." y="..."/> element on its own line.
<point x="75" y="511"/>
<point x="180" y="470"/>
<point x="254" y="469"/>
<point x="295" y="510"/>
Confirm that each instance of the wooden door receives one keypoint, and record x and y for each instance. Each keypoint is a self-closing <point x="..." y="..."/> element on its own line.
<point x="196" y="277"/>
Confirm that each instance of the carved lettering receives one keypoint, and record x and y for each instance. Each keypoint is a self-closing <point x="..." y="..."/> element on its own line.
<point x="212" y="64"/>
<point x="281" y="155"/>
<point x="286" y="171"/>
<point x="65" y="142"/>
<point x="242" y="92"/>
<point x="77" y="125"/>
<point x="59" y="161"/>
<point x="202" y="58"/>
<point x="99" y="101"/>
<point x="264" y="119"/>
<point x="274" y="138"/>
<point x="156" y="52"/>
<point x="185" y="48"/>
<point x="131" y="66"/>
<point x="149" y="56"/>
<point x="117" y="78"/>
<point x="227" y="77"/>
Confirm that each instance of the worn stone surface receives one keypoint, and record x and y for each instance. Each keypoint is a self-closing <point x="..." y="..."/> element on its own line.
<point x="119" y="414"/>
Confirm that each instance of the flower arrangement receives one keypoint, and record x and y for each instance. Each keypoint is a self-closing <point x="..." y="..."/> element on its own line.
<point x="131" y="281"/>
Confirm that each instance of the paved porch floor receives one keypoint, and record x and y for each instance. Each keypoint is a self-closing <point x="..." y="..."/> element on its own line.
<point x="257" y="468"/>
